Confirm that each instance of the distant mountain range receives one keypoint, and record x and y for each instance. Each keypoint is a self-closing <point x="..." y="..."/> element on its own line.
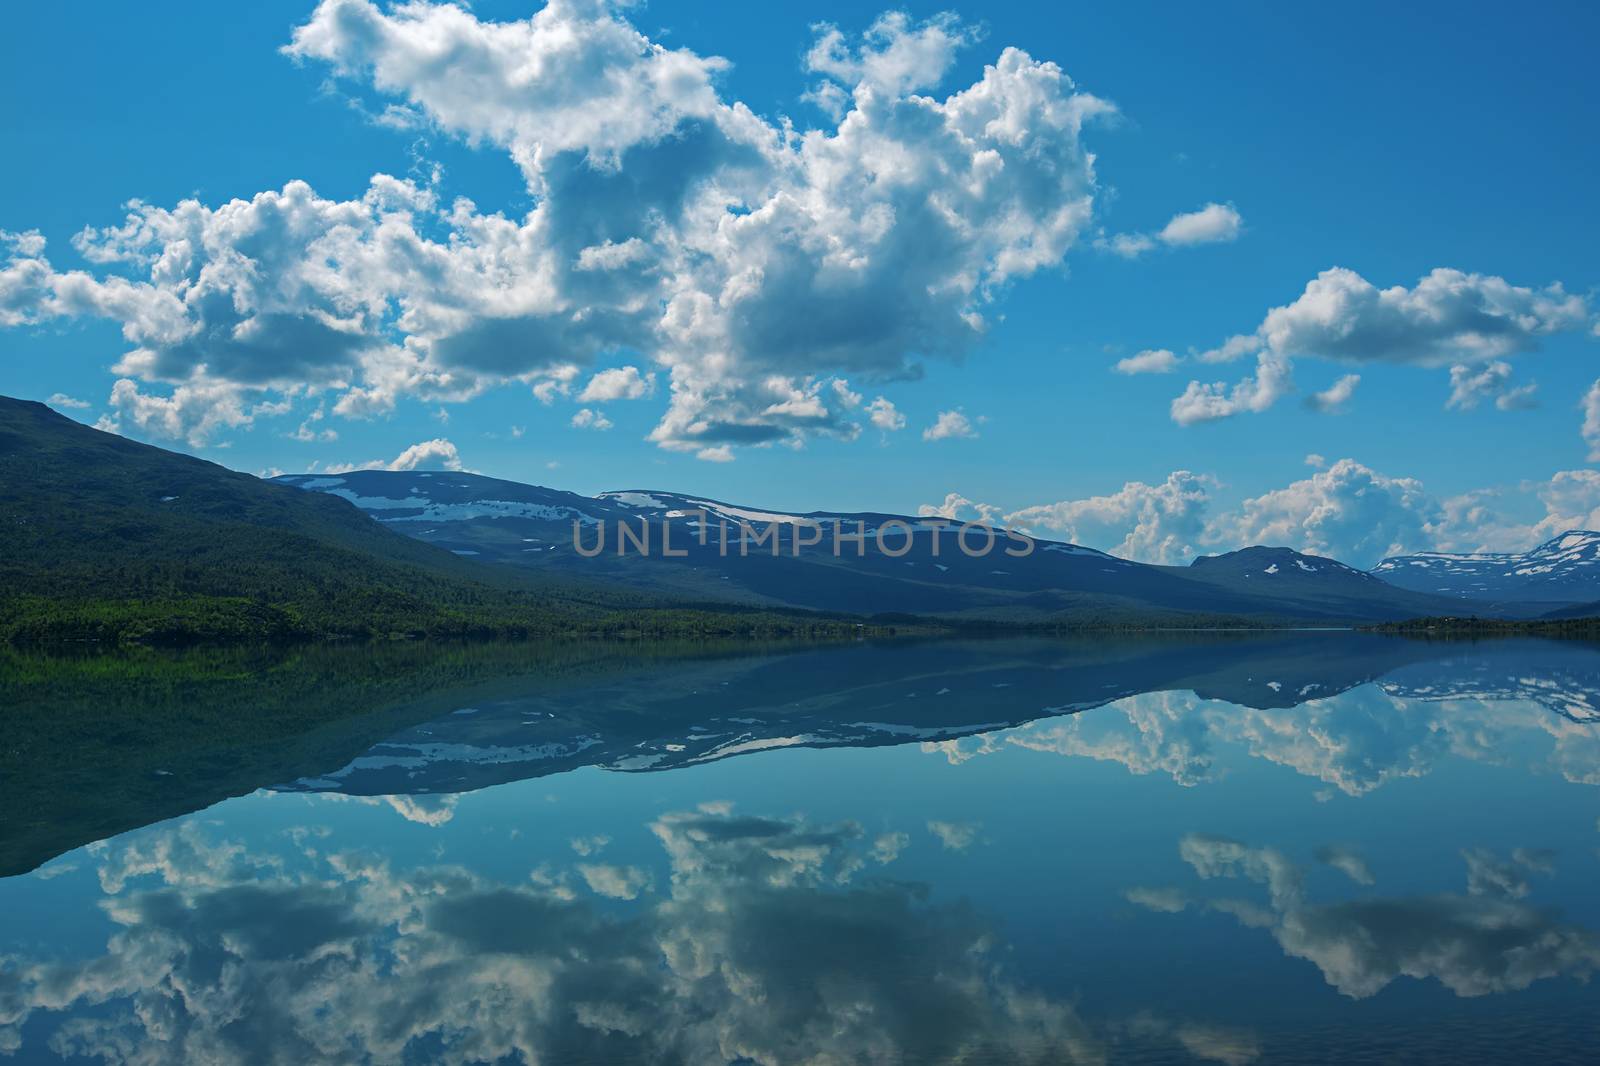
<point x="1562" y="570"/>
<point x="109" y="540"/>
<point x="904" y="565"/>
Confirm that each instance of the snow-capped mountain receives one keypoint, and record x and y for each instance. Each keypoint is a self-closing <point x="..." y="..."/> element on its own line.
<point x="1564" y="569"/>
<point x="697" y="549"/>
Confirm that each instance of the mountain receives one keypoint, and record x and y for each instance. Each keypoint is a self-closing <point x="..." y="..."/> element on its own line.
<point x="705" y="549"/>
<point x="1562" y="570"/>
<point x="108" y="539"/>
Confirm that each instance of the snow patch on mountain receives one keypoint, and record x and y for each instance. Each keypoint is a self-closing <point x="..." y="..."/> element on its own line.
<point x="1563" y="568"/>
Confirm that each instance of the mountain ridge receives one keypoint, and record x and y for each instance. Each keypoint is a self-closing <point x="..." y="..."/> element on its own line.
<point x="110" y="540"/>
<point x="1563" y="570"/>
<point x="923" y="565"/>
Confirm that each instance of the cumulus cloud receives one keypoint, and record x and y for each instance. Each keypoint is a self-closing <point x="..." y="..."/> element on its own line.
<point x="1344" y="509"/>
<point x="1348" y="512"/>
<point x="1470" y="386"/>
<point x="436" y="454"/>
<point x="884" y="416"/>
<point x="618" y="383"/>
<point x="957" y="507"/>
<point x="1202" y="402"/>
<point x="1334" y="399"/>
<point x="745" y="258"/>
<point x="71" y="403"/>
<point x="950" y="425"/>
<point x="1591" y="421"/>
<point x="1210" y="224"/>
<point x="722" y="453"/>
<point x="1155" y="523"/>
<point x="195" y="413"/>
<point x="1571" y="500"/>
<point x="588" y="418"/>
<point x="308" y="432"/>
<point x="1213" y="222"/>
<point x="1150" y="361"/>
<point x="1448" y="317"/>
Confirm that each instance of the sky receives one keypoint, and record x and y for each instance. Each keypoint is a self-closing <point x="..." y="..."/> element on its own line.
<point x="1162" y="281"/>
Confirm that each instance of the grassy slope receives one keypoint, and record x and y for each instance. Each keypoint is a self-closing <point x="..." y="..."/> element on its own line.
<point x="111" y="540"/>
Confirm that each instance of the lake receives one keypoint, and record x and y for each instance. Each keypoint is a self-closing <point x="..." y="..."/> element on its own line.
<point x="1287" y="847"/>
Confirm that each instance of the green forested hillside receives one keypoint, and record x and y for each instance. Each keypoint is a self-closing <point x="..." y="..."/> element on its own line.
<point x="106" y="539"/>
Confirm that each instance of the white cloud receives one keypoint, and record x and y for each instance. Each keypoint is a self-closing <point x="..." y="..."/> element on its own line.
<point x="1344" y="510"/>
<point x="307" y="431"/>
<point x="1127" y="245"/>
<point x="1348" y="512"/>
<point x="618" y="383"/>
<point x="1591" y="421"/>
<point x="1213" y="222"/>
<point x="884" y="415"/>
<point x="722" y="453"/>
<point x="1208" y="403"/>
<point x="61" y="399"/>
<point x="950" y="425"/>
<point x="194" y="413"/>
<point x="668" y="221"/>
<point x="896" y="56"/>
<point x="1150" y="361"/>
<point x="1333" y="399"/>
<point x="957" y="507"/>
<point x="1210" y="224"/>
<point x="436" y="454"/>
<point x="588" y="418"/>
<point x="1162" y="523"/>
<point x="1470" y="387"/>
<point x="1571" y="500"/>
<point x="848" y="398"/>
<point x="1448" y="317"/>
<point x="556" y="382"/>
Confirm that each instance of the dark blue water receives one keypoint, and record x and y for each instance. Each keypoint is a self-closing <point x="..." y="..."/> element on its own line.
<point x="1286" y="849"/>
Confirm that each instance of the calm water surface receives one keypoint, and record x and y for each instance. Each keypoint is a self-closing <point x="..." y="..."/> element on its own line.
<point x="1304" y="848"/>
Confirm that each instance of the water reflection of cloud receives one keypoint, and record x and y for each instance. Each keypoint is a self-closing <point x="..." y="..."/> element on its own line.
<point x="1355" y="742"/>
<point x="955" y="836"/>
<point x="771" y="942"/>
<point x="1484" y="941"/>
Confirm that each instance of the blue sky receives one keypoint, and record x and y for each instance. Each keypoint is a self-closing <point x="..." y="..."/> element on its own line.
<point x="1388" y="143"/>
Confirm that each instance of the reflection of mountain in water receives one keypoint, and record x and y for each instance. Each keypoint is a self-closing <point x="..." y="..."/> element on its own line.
<point x="94" y="749"/>
<point x="1556" y="677"/>
<point x="939" y="693"/>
